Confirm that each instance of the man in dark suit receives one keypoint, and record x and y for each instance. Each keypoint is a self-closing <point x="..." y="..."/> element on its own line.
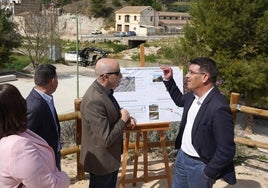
<point x="206" y="135"/>
<point x="103" y="124"/>
<point x="41" y="113"/>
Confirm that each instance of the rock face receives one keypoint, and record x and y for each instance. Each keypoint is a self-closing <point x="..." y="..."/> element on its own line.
<point x="68" y="23"/>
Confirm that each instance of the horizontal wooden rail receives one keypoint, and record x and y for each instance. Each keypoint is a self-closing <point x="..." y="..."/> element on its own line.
<point x="69" y="150"/>
<point x="252" y="143"/>
<point x="235" y="106"/>
<point x="69" y="116"/>
<point x="250" y="110"/>
<point x="152" y="144"/>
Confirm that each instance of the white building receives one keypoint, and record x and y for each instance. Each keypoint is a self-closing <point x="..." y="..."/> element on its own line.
<point x="144" y="20"/>
<point x="140" y="19"/>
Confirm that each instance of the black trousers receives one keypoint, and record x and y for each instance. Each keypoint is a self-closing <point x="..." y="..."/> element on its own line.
<point x="105" y="181"/>
<point x="58" y="160"/>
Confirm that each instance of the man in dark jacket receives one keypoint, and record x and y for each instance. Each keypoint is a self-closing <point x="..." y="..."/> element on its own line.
<point x="206" y="135"/>
<point x="42" y="115"/>
<point x="103" y="125"/>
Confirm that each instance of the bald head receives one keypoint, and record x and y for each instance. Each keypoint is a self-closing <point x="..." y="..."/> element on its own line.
<point x="105" y="65"/>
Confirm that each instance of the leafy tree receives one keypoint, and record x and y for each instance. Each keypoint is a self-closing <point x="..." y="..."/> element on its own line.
<point x="9" y="38"/>
<point x="98" y="8"/>
<point x="156" y="5"/>
<point x="235" y="34"/>
<point x="116" y="3"/>
<point x="178" y="6"/>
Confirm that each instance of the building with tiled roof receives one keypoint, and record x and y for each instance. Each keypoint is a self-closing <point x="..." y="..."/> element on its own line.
<point x="173" y="21"/>
<point x="144" y="20"/>
<point x="135" y="18"/>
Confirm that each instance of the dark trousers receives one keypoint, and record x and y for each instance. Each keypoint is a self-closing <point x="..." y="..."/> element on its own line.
<point x="105" y="181"/>
<point x="58" y="158"/>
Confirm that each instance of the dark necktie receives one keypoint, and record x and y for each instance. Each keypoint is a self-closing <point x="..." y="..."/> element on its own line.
<point x="111" y="96"/>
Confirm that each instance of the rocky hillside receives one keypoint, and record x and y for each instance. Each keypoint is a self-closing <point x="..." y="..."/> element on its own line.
<point x="67" y="25"/>
<point x="86" y="22"/>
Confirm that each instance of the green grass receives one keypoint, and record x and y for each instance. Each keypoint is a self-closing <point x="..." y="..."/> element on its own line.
<point x="110" y="46"/>
<point x="17" y="63"/>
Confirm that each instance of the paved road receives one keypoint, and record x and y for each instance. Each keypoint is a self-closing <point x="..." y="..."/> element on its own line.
<point x="65" y="94"/>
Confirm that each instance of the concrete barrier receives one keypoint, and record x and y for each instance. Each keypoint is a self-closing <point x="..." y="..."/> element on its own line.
<point x="7" y="78"/>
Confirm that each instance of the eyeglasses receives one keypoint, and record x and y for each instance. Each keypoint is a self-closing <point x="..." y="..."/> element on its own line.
<point x="115" y="73"/>
<point x="193" y="72"/>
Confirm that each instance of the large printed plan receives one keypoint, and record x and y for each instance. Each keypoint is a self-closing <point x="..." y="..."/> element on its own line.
<point x="143" y="93"/>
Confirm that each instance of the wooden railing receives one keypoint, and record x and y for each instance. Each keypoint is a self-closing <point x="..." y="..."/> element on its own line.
<point x="234" y="104"/>
<point x="75" y="149"/>
<point x="235" y="107"/>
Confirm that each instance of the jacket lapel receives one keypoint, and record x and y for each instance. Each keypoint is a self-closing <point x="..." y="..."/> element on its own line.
<point x="106" y="97"/>
<point x="39" y="97"/>
<point x="202" y="110"/>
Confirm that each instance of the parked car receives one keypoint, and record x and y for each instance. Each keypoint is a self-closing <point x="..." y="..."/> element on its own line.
<point x="120" y="34"/>
<point x="131" y="33"/>
<point x="96" y="32"/>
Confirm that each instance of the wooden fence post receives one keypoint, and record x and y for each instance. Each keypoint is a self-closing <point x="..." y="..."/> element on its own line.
<point x="142" y="55"/>
<point x="234" y="100"/>
<point x="80" y="168"/>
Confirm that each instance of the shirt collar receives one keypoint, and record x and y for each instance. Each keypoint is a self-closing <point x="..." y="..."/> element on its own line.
<point x="45" y="96"/>
<point x="201" y="99"/>
<point x="106" y="90"/>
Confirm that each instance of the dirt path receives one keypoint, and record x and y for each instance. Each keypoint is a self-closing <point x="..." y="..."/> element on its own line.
<point x="251" y="164"/>
<point x="251" y="173"/>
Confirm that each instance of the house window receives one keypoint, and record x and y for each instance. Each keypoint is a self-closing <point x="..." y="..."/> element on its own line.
<point x="119" y="27"/>
<point x="127" y="18"/>
<point x="152" y="18"/>
<point x="119" y="17"/>
<point x="135" y="18"/>
<point x="185" y="18"/>
<point x="126" y="27"/>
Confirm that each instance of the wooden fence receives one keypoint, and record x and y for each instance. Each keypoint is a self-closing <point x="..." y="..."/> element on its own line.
<point x="75" y="149"/>
<point x="234" y="104"/>
<point x="236" y="107"/>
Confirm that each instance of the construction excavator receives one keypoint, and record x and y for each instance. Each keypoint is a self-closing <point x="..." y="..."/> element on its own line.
<point x="90" y="55"/>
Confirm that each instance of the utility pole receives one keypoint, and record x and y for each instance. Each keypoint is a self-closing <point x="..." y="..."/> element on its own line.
<point x="77" y="49"/>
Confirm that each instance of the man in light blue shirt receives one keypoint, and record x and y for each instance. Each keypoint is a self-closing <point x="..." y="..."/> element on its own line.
<point x="41" y="113"/>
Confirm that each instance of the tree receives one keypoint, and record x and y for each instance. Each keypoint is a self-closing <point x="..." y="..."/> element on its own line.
<point x="235" y="34"/>
<point x="9" y="38"/>
<point x="98" y="8"/>
<point x="38" y="35"/>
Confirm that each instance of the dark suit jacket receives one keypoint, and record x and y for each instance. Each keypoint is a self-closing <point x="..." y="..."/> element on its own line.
<point x="102" y="132"/>
<point x="212" y="133"/>
<point x="41" y="121"/>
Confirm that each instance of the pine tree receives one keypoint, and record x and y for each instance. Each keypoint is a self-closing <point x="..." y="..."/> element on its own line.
<point x="235" y="34"/>
<point x="9" y="38"/>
